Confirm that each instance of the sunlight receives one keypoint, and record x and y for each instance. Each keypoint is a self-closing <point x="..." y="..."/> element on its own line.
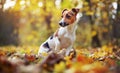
<point x="40" y="4"/>
<point x="9" y="4"/>
<point x="114" y="10"/>
<point x="22" y="2"/>
<point x="57" y="3"/>
<point x="114" y="5"/>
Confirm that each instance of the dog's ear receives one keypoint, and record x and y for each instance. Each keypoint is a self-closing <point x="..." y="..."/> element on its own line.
<point x="75" y="10"/>
<point x="64" y="11"/>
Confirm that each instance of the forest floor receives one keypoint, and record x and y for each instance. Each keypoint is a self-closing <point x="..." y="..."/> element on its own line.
<point x="24" y="60"/>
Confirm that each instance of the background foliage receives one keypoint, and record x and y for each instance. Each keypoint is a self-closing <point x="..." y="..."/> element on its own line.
<point x="31" y="22"/>
<point x="25" y="24"/>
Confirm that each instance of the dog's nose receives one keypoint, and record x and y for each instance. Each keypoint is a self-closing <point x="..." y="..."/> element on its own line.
<point x="63" y="24"/>
<point x="60" y="23"/>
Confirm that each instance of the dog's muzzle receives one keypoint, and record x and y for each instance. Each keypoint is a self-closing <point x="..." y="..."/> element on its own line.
<point x="63" y="24"/>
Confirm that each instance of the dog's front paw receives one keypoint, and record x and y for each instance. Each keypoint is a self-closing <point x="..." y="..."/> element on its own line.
<point x="72" y="53"/>
<point x="62" y="52"/>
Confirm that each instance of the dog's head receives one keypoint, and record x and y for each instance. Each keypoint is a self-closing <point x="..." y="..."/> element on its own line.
<point x="68" y="17"/>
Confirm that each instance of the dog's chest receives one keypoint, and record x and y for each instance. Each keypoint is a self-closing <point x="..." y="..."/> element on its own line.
<point x="66" y="38"/>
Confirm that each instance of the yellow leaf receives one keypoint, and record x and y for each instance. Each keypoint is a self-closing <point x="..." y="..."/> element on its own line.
<point x="94" y="33"/>
<point x="59" y="68"/>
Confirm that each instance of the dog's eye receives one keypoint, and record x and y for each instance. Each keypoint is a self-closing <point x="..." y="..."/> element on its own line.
<point x="68" y="16"/>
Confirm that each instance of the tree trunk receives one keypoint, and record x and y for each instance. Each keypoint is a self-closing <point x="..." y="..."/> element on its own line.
<point x="95" y="39"/>
<point x="47" y="17"/>
<point x="2" y="2"/>
<point x="116" y="26"/>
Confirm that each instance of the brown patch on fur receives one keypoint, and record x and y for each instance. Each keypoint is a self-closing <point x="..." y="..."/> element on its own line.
<point x="70" y="15"/>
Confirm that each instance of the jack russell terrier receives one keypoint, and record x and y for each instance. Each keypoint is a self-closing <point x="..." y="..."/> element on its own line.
<point x="64" y="37"/>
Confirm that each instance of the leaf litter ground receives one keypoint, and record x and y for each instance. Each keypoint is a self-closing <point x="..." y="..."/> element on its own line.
<point x="24" y="60"/>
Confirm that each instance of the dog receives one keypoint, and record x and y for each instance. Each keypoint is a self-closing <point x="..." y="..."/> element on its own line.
<point x="63" y="39"/>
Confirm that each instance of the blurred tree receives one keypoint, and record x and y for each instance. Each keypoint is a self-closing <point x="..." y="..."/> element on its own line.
<point x="48" y="14"/>
<point x="8" y="26"/>
<point x="100" y="14"/>
<point x="2" y="2"/>
<point x="116" y="26"/>
<point x="90" y="12"/>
